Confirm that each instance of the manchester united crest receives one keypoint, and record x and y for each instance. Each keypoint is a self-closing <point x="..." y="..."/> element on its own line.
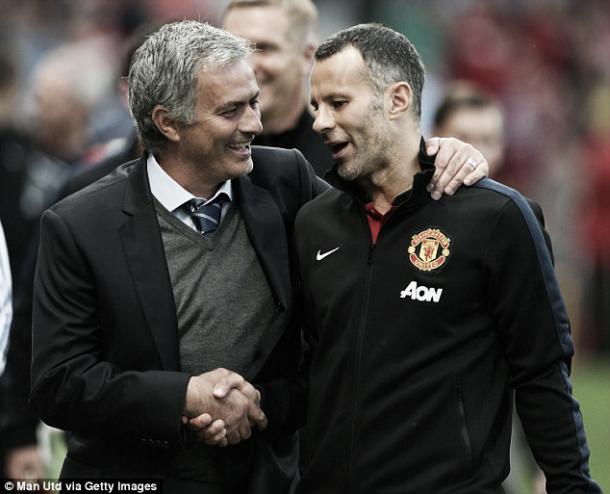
<point x="429" y="249"/>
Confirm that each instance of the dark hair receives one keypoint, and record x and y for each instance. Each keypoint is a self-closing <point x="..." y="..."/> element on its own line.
<point x="389" y="56"/>
<point x="454" y="102"/>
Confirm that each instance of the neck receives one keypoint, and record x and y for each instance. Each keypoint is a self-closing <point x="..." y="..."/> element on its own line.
<point x="386" y="183"/>
<point x="191" y="178"/>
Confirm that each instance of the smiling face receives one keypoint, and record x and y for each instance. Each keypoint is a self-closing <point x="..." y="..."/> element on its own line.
<point x="349" y="115"/>
<point x="280" y="65"/>
<point x="227" y="118"/>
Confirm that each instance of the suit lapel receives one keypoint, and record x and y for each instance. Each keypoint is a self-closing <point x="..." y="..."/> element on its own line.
<point x="267" y="233"/>
<point x="143" y="248"/>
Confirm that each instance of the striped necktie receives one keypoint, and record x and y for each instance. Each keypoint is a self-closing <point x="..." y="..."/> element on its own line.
<point x="205" y="215"/>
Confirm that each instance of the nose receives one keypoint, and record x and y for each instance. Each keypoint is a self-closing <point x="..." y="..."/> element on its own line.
<point x="324" y="120"/>
<point x="251" y="121"/>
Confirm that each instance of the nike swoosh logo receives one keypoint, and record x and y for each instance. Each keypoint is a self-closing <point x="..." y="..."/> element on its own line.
<point x="320" y="256"/>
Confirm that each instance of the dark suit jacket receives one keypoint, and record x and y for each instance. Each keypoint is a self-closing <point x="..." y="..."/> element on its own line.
<point x="105" y="339"/>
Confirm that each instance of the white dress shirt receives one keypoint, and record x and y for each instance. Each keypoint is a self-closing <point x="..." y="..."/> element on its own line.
<point x="172" y="195"/>
<point x="6" y="303"/>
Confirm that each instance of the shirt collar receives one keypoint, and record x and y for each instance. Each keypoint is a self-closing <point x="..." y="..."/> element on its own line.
<point x="170" y="193"/>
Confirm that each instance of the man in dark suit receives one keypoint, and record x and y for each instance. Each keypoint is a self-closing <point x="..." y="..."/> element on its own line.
<point x="129" y="338"/>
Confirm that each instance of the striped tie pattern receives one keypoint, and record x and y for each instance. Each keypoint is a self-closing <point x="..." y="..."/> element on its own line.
<point x="205" y="216"/>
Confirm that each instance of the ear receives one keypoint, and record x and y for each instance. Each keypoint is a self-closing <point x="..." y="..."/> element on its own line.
<point x="398" y="98"/>
<point x="166" y="125"/>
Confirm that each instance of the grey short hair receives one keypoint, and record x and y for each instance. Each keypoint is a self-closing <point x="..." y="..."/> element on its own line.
<point x="389" y="57"/>
<point x="165" y="70"/>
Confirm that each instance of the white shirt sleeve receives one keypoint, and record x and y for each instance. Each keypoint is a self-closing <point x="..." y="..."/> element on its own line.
<point x="6" y="295"/>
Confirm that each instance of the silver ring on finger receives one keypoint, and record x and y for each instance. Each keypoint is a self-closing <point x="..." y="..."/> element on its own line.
<point x="472" y="162"/>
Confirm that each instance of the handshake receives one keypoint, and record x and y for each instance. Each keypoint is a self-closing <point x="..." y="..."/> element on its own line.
<point x="222" y="408"/>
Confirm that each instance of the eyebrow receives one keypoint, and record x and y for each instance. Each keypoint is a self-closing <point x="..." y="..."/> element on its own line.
<point x="328" y="97"/>
<point x="238" y="102"/>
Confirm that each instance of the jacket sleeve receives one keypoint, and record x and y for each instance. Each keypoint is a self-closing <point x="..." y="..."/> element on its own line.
<point x="534" y="328"/>
<point x="18" y="429"/>
<point x="73" y="387"/>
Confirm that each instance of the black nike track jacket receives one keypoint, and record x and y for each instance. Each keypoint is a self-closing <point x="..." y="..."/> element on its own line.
<point x="418" y="342"/>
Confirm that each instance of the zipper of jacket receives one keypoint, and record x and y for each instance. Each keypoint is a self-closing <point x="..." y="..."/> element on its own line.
<point x="360" y="333"/>
<point x="358" y="349"/>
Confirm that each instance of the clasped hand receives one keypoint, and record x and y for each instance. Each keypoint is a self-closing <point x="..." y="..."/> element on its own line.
<point x="222" y="408"/>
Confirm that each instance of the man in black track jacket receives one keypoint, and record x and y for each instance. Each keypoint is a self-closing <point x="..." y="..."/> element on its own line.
<point x="422" y="316"/>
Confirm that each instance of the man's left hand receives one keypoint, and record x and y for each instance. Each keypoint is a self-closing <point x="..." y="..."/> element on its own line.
<point x="456" y="163"/>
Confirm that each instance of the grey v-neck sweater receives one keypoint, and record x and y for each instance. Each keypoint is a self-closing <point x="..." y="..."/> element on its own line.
<point x="223" y="303"/>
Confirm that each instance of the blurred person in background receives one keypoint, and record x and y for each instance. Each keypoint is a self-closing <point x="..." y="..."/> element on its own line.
<point x="62" y="103"/>
<point x="283" y="32"/>
<point x="471" y="115"/>
<point x="66" y="86"/>
<point x="119" y="150"/>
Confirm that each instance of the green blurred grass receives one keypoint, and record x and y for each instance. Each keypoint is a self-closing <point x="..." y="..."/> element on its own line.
<point x="591" y="380"/>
